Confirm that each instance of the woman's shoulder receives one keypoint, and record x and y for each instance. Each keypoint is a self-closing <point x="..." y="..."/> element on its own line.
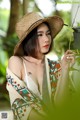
<point x="15" y="60"/>
<point x="15" y="65"/>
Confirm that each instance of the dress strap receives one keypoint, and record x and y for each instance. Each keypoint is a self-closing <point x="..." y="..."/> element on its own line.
<point x="24" y="66"/>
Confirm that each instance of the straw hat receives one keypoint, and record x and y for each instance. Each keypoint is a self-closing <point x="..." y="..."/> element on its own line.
<point x="31" y="20"/>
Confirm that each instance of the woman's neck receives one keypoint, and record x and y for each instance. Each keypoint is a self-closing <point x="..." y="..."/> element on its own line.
<point x="34" y="60"/>
<point x="40" y="55"/>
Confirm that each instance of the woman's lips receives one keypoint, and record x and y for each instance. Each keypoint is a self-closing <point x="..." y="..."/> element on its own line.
<point x="46" y="46"/>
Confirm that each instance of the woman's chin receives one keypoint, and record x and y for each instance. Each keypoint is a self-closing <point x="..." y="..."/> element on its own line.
<point x="46" y="51"/>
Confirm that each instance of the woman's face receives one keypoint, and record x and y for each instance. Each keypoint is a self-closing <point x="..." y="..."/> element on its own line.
<point x="44" y="38"/>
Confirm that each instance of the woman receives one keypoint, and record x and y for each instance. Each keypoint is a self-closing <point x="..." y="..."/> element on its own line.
<point x="33" y="81"/>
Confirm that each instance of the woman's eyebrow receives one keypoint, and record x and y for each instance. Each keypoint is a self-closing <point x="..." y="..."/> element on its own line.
<point x="43" y="31"/>
<point x="48" y="31"/>
<point x="39" y="31"/>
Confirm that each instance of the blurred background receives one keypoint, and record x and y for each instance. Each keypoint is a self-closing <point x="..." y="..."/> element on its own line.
<point x="12" y="10"/>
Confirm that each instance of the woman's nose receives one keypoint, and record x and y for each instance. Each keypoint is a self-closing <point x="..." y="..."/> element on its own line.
<point x="46" y="38"/>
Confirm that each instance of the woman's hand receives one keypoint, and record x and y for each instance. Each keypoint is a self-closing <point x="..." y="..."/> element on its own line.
<point x="68" y="59"/>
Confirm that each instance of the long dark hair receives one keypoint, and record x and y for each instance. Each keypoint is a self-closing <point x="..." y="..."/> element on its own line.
<point x="30" y="43"/>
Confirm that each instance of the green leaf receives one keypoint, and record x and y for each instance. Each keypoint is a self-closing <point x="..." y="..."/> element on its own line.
<point x="73" y="69"/>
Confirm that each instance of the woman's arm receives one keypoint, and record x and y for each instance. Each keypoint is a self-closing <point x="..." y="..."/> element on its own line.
<point x="62" y="90"/>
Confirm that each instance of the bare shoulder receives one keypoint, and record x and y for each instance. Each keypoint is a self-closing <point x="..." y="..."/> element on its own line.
<point x="15" y="65"/>
<point x="14" y="60"/>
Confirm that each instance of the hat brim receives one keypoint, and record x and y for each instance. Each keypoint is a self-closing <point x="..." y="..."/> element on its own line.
<point x="55" y="23"/>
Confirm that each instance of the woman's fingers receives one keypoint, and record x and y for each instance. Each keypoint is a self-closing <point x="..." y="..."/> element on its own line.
<point x="69" y="57"/>
<point x="69" y="52"/>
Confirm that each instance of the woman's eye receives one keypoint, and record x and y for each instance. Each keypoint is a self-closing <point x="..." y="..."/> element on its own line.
<point x="48" y="33"/>
<point x="39" y="34"/>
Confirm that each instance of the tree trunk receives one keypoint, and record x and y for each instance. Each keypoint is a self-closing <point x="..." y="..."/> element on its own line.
<point x="14" y="13"/>
<point x="25" y="6"/>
